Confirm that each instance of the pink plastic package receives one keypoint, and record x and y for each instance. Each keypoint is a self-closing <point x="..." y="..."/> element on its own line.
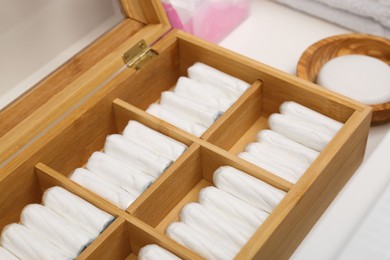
<point x="211" y="20"/>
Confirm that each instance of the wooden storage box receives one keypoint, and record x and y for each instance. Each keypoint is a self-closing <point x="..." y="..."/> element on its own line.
<point x="61" y="132"/>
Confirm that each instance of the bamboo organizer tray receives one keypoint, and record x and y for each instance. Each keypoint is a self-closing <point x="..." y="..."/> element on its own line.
<point x="68" y="143"/>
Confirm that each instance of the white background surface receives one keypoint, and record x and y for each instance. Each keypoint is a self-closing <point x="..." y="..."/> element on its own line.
<point x="277" y="35"/>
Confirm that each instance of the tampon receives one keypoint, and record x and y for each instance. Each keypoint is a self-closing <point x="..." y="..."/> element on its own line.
<point x="248" y="188"/>
<point x="76" y="210"/>
<point x="103" y="188"/>
<point x="129" y="152"/>
<point x="123" y="175"/>
<point x="153" y="140"/>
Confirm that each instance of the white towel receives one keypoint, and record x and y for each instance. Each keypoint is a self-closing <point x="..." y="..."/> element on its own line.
<point x="153" y="140"/>
<point x="279" y="156"/>
<point x="155" y="252"/>
<point x="205" y="94"/>
<point x="295" y="110"/>
<point x="278" y="140"/>
<point x="123" y="175"/>
<point x="375" y="10"/>
<point x="26" y="244"/>
<point x="76" y="210"/>
<point x="231" y="206"/>
<point x="188" y="108"/>
<point x="198" y="216"/>
<point x="52" y="227"/>
<point x="129" y="152"/>
<point x="248" y="188"/>
<point x="176" y="120"/>
<point x="103" y="188"/>
<point x="204" y="244"/>
<point x="277" y="169"/>
<point x="204" y="73"/>
<point x="299" y="131"/>
<point x="6" y="255"/>
<point x="344" y="18"/>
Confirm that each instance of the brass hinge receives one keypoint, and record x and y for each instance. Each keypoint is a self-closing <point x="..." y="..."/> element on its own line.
<point x="138" y="55"/>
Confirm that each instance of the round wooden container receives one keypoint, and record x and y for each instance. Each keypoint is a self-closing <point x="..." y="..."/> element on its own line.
<point x="322" y="51"/>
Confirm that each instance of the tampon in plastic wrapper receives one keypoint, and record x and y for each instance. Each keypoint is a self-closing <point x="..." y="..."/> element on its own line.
<point x="154" y="140"/>
<point x="110" y="192"/>
<point x="279" y="156"/>
<point x="198" y="216"/>
<point x="248" y="188"/>
<point x="231" y="206"/>
<point x="127" y="151"/>
<point x="202" y="243"/>
<point x="204" y="73"/>
<point x="6" y="255"/>
<point x="76" y="210"/>
<point x="176" y="120"/>
<point x="298" y="111"/>
<point x="155" y="252"/>
<point x="278" y="140"/>
<point x="123" y="175"/>
<point x="52" y="227"/>
<point x="277" y="169"/>
<point x="188" y="108"/>
<point x="299" y="131"/>
<point x="27" y="244"/>
<point x="204" y="93"/>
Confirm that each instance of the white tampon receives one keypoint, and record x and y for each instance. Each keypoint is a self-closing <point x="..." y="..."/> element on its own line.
<point x="198" y="216"/>
<point x="76" y="210"/>
<point x="176" y="120"/>
<point x="52" y="227"/>
<point x="129" y="178"/>
<point x="155" y="252"/>
<point x="188" y="108"/>
<point x="184" y="84"/>
<point x="248" y="188"/>
<point x="153" y="140"/>
<point x="277" y="169"/>
<point x="204" y="244"/>
<point x="110" y="192"/>
<point x="27" y="244"/>
<point x="204" y="73"/>
<point x="205" y="94"/>
<point x="298" y="111"/>
<point x="283" y="142"/>
<point x="299" y="131"/>
<point x="6" y="255"/>
<point x="127" y="151"/>
<point x="279" y="156"/>
<point x="231" y="206"/>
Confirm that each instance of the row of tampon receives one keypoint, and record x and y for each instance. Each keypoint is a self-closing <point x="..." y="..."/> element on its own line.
<point x="225" y="216"/>
<point x="59" y="228"/>
<point x="129" y="164"/>
<point x="197" y="101"/>
<point x="297" y="136"/>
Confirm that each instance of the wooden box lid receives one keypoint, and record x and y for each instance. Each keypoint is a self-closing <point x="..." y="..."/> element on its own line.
<point x="30" y="114"/>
